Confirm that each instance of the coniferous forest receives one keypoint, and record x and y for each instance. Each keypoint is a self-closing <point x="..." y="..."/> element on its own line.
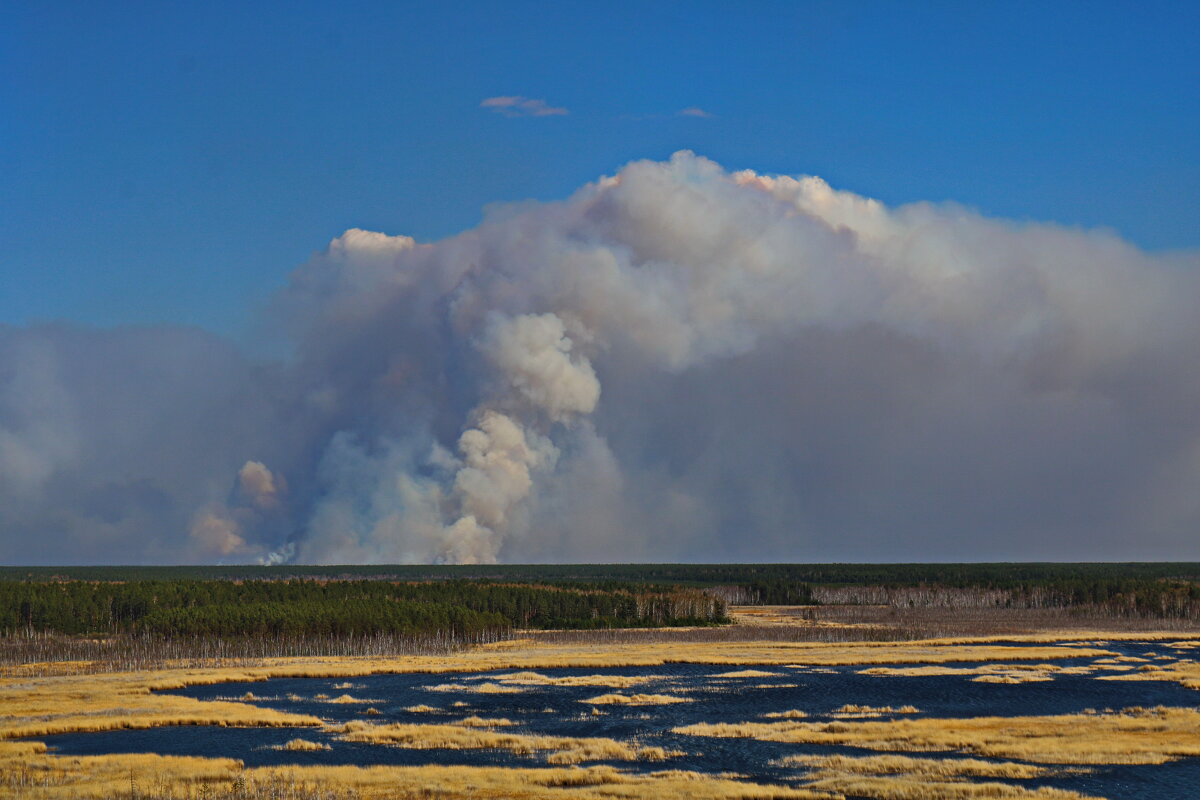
<point x="142" y="615"/>
<point x="294" y="607"/>
<point x="469" y="601"/>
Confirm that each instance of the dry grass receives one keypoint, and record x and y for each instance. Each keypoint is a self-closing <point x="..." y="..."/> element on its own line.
<point x="477" y="688"/>
<point x="748" y="673"/>
<point x="35" y="705"/>
<point x="114" y="701"/>
<point x="854" y="711"/>
<point x="124" y="652"/>
<point x="1127" y="668"/>
<point x="474" y="733"/>
<point x="173" y="778"/>
<point x="983" y="669"/>
<point x="26" y="783"/>
<point x="481" y="722"/>
<point x="348" y="700"/>
<point x="478" y="734"/>
<point x="301" y="745"/>
<point x="771" y="616"/>
<point x="530" y="654"/>
<point x="1185" y="672"/>
<point x="922" y="622"/>
<point x="1027" y="677"/>
<point x="900" y="778"/>
<point x="176" y="778"/>
<point x="618" y="699"/>
<point x="102" y="776"/>
<point x="538" y="679"/>
<point x="988" y="673"/>
<point x="66" y="697"/>
<point x="928" y="767"/>
<point x="1135" y="736"/>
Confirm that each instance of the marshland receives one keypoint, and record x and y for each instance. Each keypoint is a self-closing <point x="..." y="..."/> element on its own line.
<point x="821" y="681"/>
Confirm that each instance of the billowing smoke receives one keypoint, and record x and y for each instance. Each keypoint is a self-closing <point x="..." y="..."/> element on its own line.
<point x="677" y="363"/>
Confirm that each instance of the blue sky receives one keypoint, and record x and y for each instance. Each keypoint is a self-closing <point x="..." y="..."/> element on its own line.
<point x="173" y="162"/>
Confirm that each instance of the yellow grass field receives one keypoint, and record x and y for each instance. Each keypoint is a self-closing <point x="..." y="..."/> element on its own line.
<point x="479" y="734"/>
<point x="618" y="699"/>
<point x="1133" y="736"/>
<point x="39" y="700"/>
<point x="901" y="778"/>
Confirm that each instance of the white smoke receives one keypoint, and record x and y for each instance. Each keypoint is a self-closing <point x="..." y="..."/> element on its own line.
<point x="678" y="362"/>
<point x="218" y="533"/>
<point x="220" y="529"/>
<point x="532" y="355"/>
<point x="259" y="487"/>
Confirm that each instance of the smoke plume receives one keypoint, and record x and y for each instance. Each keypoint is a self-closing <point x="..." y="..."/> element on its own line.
<point x="676" y="363"/>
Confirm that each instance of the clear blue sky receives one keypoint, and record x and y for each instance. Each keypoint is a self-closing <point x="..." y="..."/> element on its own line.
<point x="172" y="162"/>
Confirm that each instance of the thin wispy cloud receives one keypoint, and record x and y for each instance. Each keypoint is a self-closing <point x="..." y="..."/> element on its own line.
<point x="519" y="106"/>
<point x="695" y="111"/>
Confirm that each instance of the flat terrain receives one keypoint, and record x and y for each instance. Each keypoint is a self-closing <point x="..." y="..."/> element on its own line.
<point x="898" y="757"/>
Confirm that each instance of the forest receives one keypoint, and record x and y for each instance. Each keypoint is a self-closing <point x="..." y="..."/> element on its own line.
<point x="293" y="607"/>
<point x="481" y="602"/>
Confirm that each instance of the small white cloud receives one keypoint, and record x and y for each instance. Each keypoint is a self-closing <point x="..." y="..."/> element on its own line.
<point x="695" y="111"/>
<point x="518" y="106"/>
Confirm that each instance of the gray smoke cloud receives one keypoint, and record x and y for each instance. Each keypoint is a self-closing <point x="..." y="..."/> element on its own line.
<point x="678" y="362"/>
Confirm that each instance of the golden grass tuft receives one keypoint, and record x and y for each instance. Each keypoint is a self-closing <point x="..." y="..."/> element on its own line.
<point x="1184" y="672"/>
<point x="175" y="778"/>
<point x="901" y="778"/>
<point x="1035" y="670"/>
<point x="748" y="673"/>
<point x="926" y="767"/>
<point x="481" y="722"/>
<point x="301" y="745"/>
<point x="348" y="700"/>
<point x="853" y="711"/>
<point x="1134" y="736"/>
<point x="478" y="734"/>
<point x="478" y="688"/>
<point x="618" y="699"/>
<point x="1011" y="677"/>
<point x="792" y="713"/>
<point x="538" y="679"/>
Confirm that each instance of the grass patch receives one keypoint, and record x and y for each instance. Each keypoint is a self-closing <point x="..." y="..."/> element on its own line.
<point x="618" y="699"/>
<point x="477" y="688"/>
<point x="901" y="778"/>
<point x="301" y="745"/>
<point x="538" y="679"/>
<point x="1134" y="736"/>
<point x="478" y="734"/>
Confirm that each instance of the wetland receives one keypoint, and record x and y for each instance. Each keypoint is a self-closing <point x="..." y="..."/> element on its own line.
<point x="845" y="720"/>
<point x="849" y="700"/>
